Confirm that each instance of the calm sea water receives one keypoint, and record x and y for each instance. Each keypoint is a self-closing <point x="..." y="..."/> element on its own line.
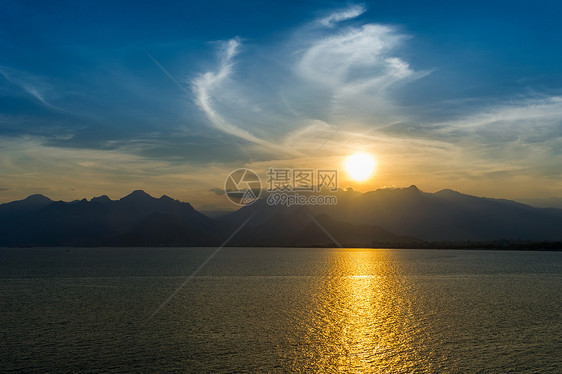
<point x="280" y="310"/>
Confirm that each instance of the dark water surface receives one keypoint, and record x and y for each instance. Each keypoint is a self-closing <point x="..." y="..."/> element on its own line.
<point x="280" y="310"/>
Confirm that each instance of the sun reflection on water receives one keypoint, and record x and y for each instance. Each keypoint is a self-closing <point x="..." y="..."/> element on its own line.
<point x="359" y="321"/>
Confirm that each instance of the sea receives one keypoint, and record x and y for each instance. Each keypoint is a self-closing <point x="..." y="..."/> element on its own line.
<point x="279" y="310"/>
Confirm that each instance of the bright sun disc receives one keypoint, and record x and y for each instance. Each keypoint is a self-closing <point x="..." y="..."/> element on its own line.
<point x="359" y="166"/>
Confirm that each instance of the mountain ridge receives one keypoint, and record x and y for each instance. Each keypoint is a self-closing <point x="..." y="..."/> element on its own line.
<point x="444" y="215"/>
<point x="393" y="215"/>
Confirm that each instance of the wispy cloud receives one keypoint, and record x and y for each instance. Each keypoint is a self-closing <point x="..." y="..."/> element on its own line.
<point x="351" y="56"/>
<point x="217" y="191"/>
<point x="33" y="85"/>
<point x="343" y="15"/>
<point x="528" y="120"/>
<point x="204" y="87"/>
<point x="321" y="77"/>
<point x="353" y="65"/>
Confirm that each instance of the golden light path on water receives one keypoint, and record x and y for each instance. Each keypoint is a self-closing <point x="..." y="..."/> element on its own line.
<point x="281" y="310"/>
<point x="359" y="322"/>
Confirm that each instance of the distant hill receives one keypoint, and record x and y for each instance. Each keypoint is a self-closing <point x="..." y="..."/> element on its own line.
<point x="137" y="219"/>
<point x="393" y="217"/>
<point x="546" y="202"/>
<point x="444" y="215"/>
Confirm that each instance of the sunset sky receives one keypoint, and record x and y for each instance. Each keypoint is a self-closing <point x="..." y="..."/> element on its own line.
<point x="102" y="98"/>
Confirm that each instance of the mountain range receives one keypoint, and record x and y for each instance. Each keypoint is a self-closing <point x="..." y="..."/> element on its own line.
<point x="398" y="216"/>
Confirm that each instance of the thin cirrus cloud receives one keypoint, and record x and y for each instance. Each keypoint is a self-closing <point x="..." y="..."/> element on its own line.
<point x="530" y="120"/>
<point x="356" y="58"/>
<point x="532" y="126"/>
<point x="328" y="75"/>
<point x="343" y="15"/>
<point x="526" y="134"/>
<point x="32" y="85"/>
<point x="356" y="67"/>
<point x="207" y="85"/>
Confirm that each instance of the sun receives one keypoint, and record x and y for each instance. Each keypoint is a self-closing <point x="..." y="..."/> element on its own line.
<point x="359" y="166"/>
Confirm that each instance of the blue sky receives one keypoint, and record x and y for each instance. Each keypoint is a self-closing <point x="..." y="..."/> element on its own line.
<point x="105" y="97"/>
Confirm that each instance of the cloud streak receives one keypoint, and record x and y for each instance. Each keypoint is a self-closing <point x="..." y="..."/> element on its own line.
<point x="335" y="72"/>
<point x="206" y="84"/>
<point x="529" y="120"/>
<point x="343" y="15"/>
<point x="33" y="85"/>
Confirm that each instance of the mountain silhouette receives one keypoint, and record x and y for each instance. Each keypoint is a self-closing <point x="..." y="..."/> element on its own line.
<point x="444" y="215"/>
<point x="30" y="204"/>
<point x="381" y="217"/>
<point x="137" y="219"/>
